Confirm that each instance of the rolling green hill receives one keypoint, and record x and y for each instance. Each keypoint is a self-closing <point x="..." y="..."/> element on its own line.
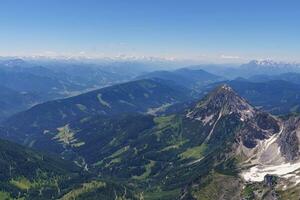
<point x="193" y="79"/>
<point x="142" y="96"/>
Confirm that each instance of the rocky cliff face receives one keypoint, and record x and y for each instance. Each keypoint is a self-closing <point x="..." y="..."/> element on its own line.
<point x="289" y="139"/>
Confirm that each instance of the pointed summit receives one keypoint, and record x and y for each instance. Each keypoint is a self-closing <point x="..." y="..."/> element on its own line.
<point x="225" y="87"/>
<point x="223" y="105"/>
<point x="222" y="101"/>
<point x="223" y="94"/>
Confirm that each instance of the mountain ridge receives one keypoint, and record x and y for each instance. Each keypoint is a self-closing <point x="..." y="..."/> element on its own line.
<point x="137" y="96"/>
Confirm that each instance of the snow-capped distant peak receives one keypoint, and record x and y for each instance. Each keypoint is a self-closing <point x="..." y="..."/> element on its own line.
<point x="271" y="63"/>
<point x="265" y="62"/>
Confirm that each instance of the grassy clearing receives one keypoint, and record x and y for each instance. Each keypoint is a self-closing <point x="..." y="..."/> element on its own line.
<point x="168" y="123"/>
<point x="5" y="196"/>
<point x="219" y="186"/>
<point x="66" y="136"/>
<point x="104" y="103"/>
<point x="115" y="157"/>
<point x="153" y="111"/>
<point x="163" y="122"/>
<point x="85" y="188"/>
<point x="21" y="183"/>
<point x="177" y="145"/>
<point x="81" y="107"/>
<point x="119" y="152"/>
<point x="113" y="161"/>
<point x="194" y="153"/>
<point x="147" y="172"/>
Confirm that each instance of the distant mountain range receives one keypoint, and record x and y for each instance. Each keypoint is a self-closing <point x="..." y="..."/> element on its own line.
<point x="252" y="68"/>
<point x="290" y="77"/>
<point x="56" y="81"/>
<point x="42" y="82"/>
<point x="189" y="78"/>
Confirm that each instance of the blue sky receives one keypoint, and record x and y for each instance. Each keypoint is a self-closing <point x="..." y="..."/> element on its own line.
<point x="204" y="30"/>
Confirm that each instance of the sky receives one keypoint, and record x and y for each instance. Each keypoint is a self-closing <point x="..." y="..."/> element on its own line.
<point x="225" y="31"/>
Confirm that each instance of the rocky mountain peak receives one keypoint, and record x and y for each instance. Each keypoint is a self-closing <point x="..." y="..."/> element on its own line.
<point x="222" y="101"/>
<point x="223" y="96"/>
<point x="224" y="105"/>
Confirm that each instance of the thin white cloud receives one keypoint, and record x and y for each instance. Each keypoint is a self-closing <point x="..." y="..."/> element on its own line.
<point x="229" y="57"/>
